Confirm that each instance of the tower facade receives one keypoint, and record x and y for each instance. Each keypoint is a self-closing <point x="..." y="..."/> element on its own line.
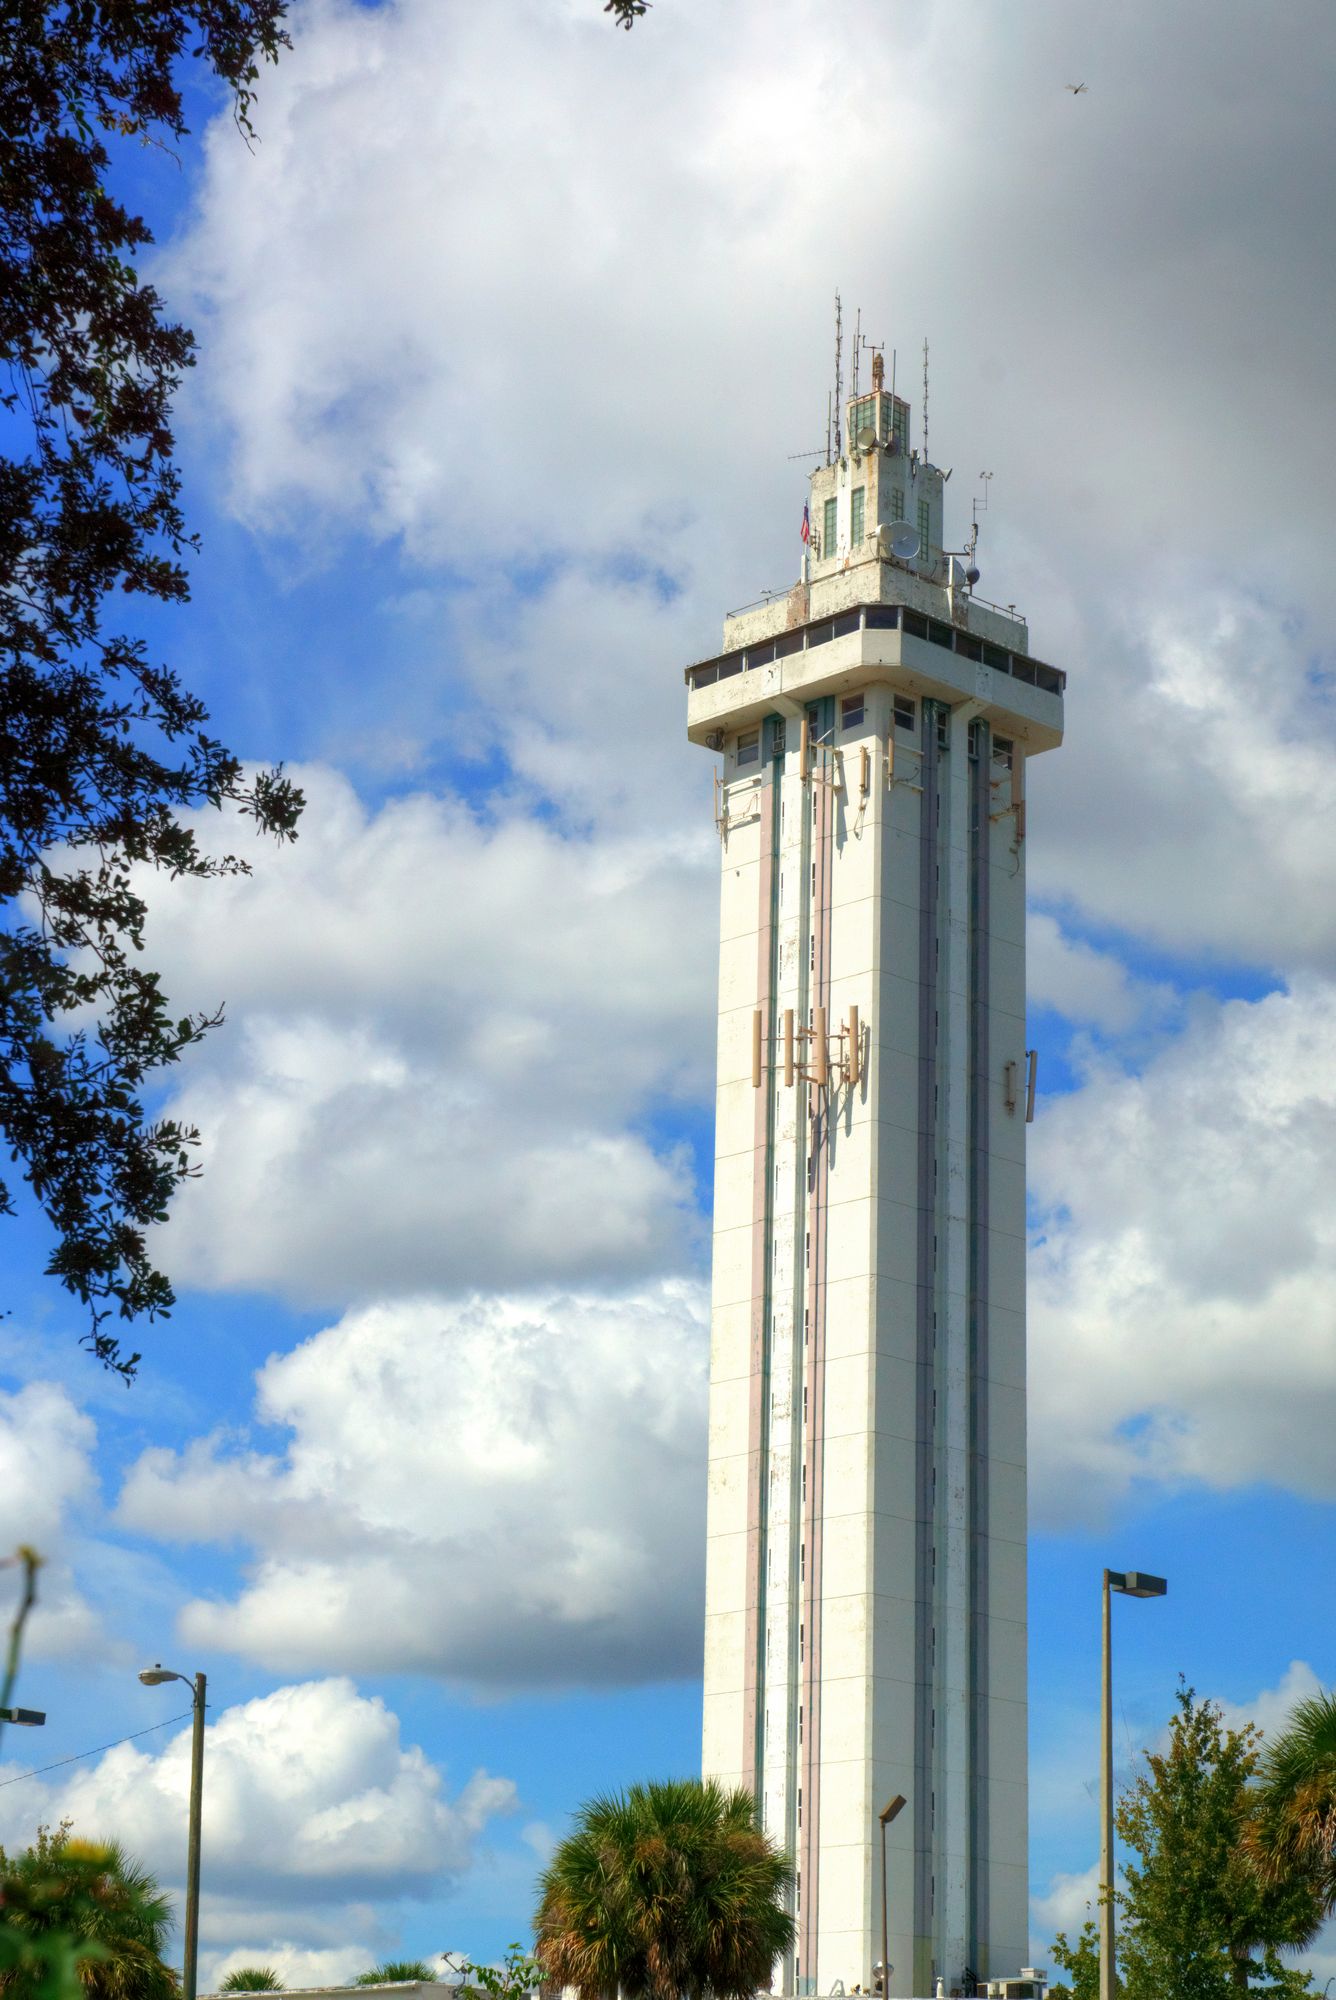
<point x="866" y="1570"/>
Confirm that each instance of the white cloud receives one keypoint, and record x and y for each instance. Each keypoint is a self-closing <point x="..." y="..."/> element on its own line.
<point x="46" y="1479"/>
<point x="1069" y="1902"/>
<point x="1192" y="802"/>
<point x="499" y="1492"/>
<point x="446" y="1038"/>
<point x="368" y="281"/>
<point x="310" y="1800"/>
<point x="1182" y="1289"/>
<point x="1271" y="1708"/>
<point x="1085" y="984"/>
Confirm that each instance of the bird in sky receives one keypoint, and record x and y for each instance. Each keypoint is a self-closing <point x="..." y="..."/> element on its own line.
<point x="1076" y="88"/>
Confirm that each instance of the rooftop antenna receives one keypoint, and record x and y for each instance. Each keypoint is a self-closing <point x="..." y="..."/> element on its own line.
<point x="925" y="402"/>
<point x="828" y="427"/>
<point x="839" y="368"/>
<point x="858" y="342"/>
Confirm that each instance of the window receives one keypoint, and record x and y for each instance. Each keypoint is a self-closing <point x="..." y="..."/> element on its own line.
<point x="906" y="713"/>
<point x="749" y="747"/>
<point x="828" y="527"/>
<point x="856" y="510"/>
<point x="1002" y="751"/>
<point x="925" y="531"/>
<point x="900" y="423"/>
<point x="897" y="503"/>
<point x="941" y="729"/>
<point x="851" y="711"/>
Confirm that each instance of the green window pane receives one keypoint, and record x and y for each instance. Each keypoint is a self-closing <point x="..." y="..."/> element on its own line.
<point x="828" y="529"/>
<point x="897" y="503"/>
<point x="924" y="527"/>
<point x="856" y="526"/>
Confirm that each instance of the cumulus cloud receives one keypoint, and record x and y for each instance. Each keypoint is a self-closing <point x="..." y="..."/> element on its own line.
<point x="1183" y="1278"/>
<point x="1069" y="1902"/>
<point x="1087" y="985"/>
<point x="312" y="1801"/>
<point x="629" y="462"/>
<point x="500" y="1492"/>
<point x="46" y="1479"/>
<point x="448" y="1035"/>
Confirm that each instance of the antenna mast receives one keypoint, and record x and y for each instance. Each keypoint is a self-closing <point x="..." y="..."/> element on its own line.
<point x="858" y="342"/>
<point x="925" y="402"/>
<point x="828" y="427"/>
<point x="839" y="369"/>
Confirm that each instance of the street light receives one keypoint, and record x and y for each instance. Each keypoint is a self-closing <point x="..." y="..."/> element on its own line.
<point x="1128" y="1583"/>
<point x="26" y="1718"/>
<point x="152" y="1677"/>
<point x="886" y="1815"/>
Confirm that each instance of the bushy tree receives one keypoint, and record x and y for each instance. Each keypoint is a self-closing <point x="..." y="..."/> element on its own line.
<point x="1080" y="1961"/>
<point x="106" y="1915"/>
<point x="103" y="752"/>
<point x="1197" y="1919"/>
<point x="252" y="1979"/>
<point x="664" y="1891"/>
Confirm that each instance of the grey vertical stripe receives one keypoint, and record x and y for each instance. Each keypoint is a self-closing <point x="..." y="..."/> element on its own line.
<point x="979" y="1388"/>
<point x="925" y="1351"/>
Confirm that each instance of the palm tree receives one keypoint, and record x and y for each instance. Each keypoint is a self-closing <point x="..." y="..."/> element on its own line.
<point x="252" y="1979"/>
<point x="104" y="1903"/>
<point x="1294" y="1824"/>
<point x="395" y="1972"/>
<point x="665" y="1892"/>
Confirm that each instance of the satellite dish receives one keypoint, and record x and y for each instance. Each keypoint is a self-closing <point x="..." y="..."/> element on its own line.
<point x="866" y="438"/>
<point x="905" y="543"/>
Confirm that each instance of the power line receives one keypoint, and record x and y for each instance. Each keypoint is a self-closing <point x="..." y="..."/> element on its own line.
<point x="96" y="1749"/>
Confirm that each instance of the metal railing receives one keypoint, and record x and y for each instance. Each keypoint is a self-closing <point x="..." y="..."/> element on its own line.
<point x="879" y="618"/>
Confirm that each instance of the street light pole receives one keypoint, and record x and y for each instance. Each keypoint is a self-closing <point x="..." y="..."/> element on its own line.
<point x="154" y="1677"/>
<point x="886" y="1815"/>
<point x="1128" y="1583"/>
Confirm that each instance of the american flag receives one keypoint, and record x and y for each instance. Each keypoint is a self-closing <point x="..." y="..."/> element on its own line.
<point x="807" y="523"/>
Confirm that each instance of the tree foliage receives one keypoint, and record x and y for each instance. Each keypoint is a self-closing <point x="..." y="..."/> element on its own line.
<point x="1197" y="1920"/>
<point x="1080" y="1961"/>
<point x="103" y="752"/>
<point x="252" y="1979"/>
<point x="83" y="1911"/>
<point x="663" y="1891"/>
<point x="1294" y="1827"/>
<point x="394" y="1972"/>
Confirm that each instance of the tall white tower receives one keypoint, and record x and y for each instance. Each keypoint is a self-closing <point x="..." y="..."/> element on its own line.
<point x="865" y="1597"/>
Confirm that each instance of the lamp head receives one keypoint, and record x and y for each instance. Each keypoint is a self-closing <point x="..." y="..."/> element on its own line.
<point x="1136" y="1583"/>
<point x="155" y="1675"/>
<point x="25" y="1718"/>
<point x="889" y="1812"/>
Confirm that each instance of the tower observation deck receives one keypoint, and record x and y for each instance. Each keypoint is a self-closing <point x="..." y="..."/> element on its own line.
<point x="866" y="1570"/>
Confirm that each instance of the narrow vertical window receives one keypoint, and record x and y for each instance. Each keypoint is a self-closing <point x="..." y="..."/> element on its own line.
<point x="851" y="711"/>
<point x="828" y="527"/>
<point x="858" y="503"/>
<point x="749" y="747"/>
<point x="925" y="530"/>
<point x="897" y="503"/>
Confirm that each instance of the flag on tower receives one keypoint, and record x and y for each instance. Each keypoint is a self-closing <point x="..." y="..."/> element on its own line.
<point x="807" y="523"/>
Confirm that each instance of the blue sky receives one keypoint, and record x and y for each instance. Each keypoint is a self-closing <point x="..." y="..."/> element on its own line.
<point x="508" y="328"/>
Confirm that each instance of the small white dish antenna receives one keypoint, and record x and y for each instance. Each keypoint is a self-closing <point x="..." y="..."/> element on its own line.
<point x="866" y="438"/>
<point x="905" y="543"/>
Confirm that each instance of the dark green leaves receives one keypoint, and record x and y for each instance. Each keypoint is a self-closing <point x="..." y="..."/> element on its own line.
<point x="102" y="752"/>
